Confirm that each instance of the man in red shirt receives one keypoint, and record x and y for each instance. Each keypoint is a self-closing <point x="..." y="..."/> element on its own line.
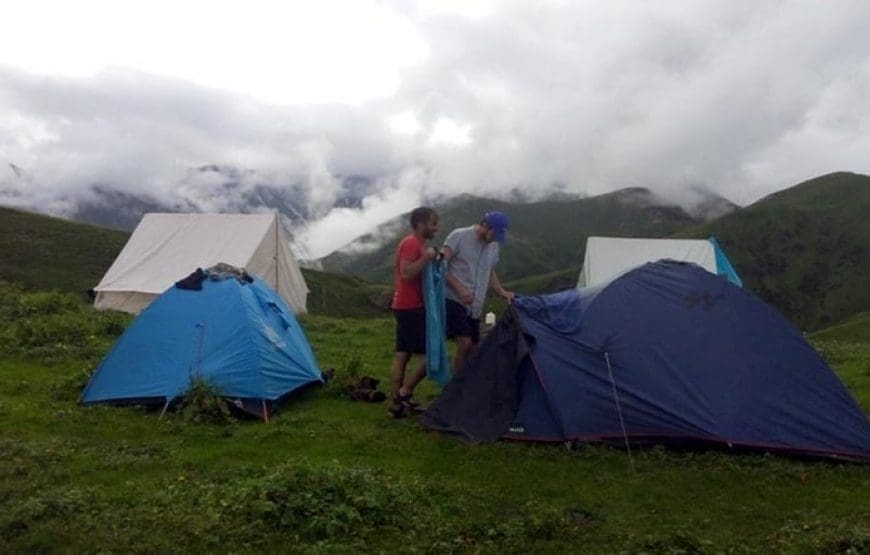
<point x="412" y="255"/>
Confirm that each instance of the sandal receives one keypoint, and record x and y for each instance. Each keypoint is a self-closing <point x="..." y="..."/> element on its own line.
<point x="411" y="406"/>
<point x="403" y="406"/>
<point x="397" y="409"/>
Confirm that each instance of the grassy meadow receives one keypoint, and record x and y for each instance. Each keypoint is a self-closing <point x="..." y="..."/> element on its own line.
<point x="327" y="474"/>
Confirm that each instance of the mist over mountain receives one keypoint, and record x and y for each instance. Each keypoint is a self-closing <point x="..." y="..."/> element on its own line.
<point x="209" y="188"/>
<point x="358" y="209"/>
<point x="545" y="235"/>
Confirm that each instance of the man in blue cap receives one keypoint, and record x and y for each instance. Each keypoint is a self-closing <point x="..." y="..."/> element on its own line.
<point x="471" y="254"/>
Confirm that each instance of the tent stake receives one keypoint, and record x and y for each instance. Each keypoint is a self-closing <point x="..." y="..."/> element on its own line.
<point x="265" y="412"/>
<point x="619" y="411"/>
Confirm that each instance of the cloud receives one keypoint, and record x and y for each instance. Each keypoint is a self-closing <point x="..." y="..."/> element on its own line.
<point x="279" y="52"/>
<point x="340" y="225"/>
<point x="738" y="98"/>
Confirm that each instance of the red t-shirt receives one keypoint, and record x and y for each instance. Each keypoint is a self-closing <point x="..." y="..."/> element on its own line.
<point x="408" y="293"/>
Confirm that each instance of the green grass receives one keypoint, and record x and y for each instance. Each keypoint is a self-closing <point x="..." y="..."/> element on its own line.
<point x="328" y="474"/>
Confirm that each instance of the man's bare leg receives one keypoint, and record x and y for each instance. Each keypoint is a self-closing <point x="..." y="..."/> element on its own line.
<point x="397" y="373"/>
<point x="413" y="379"/>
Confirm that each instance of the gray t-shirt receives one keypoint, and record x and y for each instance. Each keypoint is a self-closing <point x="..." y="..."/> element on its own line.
<point x="472" y="262"/>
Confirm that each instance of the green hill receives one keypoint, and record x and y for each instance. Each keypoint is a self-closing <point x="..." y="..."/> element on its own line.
<point x="855" y="329"/>
<point x="806" y="249"/>
<point x="546" y="283"/>
<point x="544" y="236"/>
<point x="43" y="253"/>
<point x="343" y="295"/>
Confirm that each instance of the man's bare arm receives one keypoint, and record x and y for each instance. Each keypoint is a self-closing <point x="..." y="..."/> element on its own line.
<point x="410" y="270"/>
<point x="498" y="289"/>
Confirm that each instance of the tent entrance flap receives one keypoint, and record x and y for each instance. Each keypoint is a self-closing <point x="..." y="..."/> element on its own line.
<point x="534" y="419"/>
<point x="480" y="403"/>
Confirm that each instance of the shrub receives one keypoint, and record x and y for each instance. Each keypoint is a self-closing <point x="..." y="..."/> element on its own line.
<point x="203" y="404"/>
<point x="348" y="375"/>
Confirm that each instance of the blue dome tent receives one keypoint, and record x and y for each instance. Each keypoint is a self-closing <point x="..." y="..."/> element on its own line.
<point x="668" y="353"/>
<point x="236" y="334"/>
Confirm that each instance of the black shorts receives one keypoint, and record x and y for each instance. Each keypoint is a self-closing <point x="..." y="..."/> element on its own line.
<point x="410" y="330"/>
<point x="460" y="323"/>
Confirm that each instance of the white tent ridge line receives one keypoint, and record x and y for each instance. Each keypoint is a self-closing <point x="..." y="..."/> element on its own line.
<point x="166" y="247"/>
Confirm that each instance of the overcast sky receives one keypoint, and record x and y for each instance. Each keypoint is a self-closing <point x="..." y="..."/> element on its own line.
<point x="429" y="98"/>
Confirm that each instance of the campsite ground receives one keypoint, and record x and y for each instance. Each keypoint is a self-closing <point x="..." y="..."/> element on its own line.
<point x="328" y="474"/>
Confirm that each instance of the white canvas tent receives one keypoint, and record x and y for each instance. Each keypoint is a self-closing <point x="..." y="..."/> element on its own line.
<point x="165" y="248"/>
<point x="608" y="257"/>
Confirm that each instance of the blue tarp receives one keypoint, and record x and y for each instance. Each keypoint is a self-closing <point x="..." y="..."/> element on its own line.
<point x="239" y="337"/>
<point x="437" y="364"/>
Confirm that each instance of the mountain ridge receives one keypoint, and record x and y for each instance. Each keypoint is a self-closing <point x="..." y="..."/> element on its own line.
<point x="545" y="235"/>
<point x="805" y="249"/>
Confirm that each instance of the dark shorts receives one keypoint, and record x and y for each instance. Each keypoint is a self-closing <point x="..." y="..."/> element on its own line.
<point x="410" y="330"/>
<point x="460" y="323"/>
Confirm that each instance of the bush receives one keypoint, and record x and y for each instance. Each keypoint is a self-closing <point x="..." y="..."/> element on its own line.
<point x="203" y="404"/>
<point x="348" y="375"/>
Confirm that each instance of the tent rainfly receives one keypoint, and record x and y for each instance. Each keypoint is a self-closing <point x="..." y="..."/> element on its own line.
<point x="665" y="353"/>
<point x="609" y="257"/>
<point x="166" y="246"/>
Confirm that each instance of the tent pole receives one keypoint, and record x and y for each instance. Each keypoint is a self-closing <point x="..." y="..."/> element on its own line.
<point x="619" y="410"/>
<point x="265" y="411"/>
<point x="166" y="406"/>
<point x="277" y="249"/>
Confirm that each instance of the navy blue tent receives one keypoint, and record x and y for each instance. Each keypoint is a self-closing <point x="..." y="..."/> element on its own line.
<point x="238" y="336"/>
<point x="666" y="352"/>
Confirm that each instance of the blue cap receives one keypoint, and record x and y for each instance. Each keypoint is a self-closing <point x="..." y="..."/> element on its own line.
<point x="498" y="222"/>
